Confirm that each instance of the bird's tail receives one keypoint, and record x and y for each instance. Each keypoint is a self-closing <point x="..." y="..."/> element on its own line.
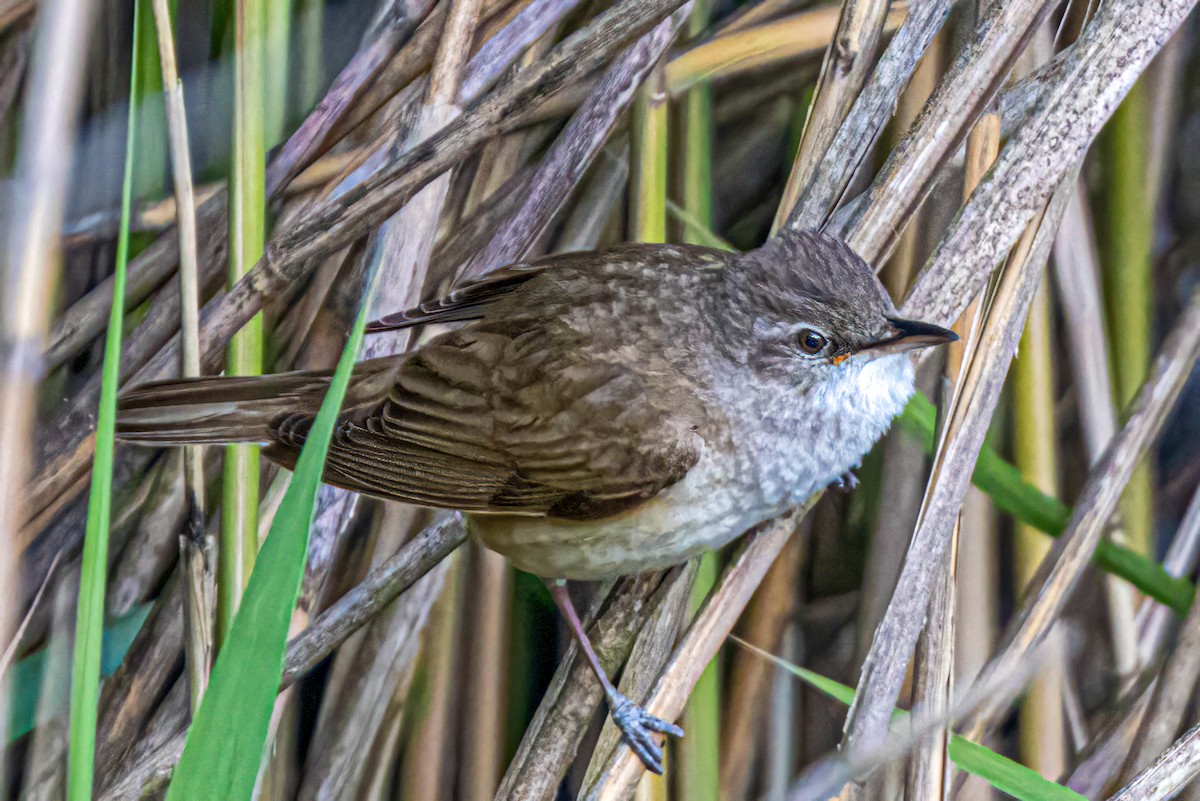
<point x="216" y="409"/>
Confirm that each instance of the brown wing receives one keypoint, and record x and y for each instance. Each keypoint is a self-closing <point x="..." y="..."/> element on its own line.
<point x="471" y="300"/>
<point x="483" y="421"/>
<point x="468" y="301"/>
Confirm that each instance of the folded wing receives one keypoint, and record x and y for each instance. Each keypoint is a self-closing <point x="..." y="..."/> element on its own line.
<point x="488" y="423"/>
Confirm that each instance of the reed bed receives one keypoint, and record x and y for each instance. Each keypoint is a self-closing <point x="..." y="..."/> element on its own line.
<point x="1004" y="606"/>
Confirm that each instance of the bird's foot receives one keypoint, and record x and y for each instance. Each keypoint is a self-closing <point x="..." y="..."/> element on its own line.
<point x="636" y="727"/>
<point x="845" y="482"/>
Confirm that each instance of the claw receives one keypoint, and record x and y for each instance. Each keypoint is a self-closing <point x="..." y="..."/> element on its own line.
<point x="636" y="727"/>
<point x="845" y="482"/>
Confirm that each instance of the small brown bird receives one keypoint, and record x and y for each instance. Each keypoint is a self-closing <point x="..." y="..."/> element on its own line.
<point x="599" y="414"/>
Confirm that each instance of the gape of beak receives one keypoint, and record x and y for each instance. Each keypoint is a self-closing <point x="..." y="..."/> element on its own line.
<point x="906" y="335"/>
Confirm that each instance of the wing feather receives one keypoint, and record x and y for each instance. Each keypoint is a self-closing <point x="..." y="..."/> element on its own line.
<point x="461" y="428"/>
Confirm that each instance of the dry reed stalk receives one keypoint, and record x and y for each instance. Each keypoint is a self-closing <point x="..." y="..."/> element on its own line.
<point x="1154" y="622"/>
<point x="154" y="757"/>
<point x="45" y="768"/>
<point x="370" y="597"/>
<point x="965" y="92"/>
<point x="769" y="613"/>
<point x="1077" y="270"/>
<point x="132" y="694"/>
<point x="732" y="52"/>
<point x="754" y="555"/>
<point x="1169" y="701"/>
<point x="195" y="549"/>
<point x="403" y="248"/>
<point x="352" y="720"/>
<point x="904" y="263"/>
<point x="32" y="265"/>
<point x="1042" y="743"/>
<point x="79" y="325"/>
<point x="65" y="444"/>
<point x="148" y="538"/>
<point x="848" y="60"/>
<point x="553" y="736"/>
<point x="482" y="683"/>
<point x="1097" y="503"/>
<point x="872" y="109"/>
<point x="1173" y="769"/>
<point x="337" y="221"/>
<point x="12" y="11"/>
<point x="1113" y="50"/>
<point x="652" y="647"/>
<point x="930" y="773"/>
<point x="974" y="401"/>
<point x="425" y="769"/>
<point x="822" y="778"/>
<point x="574" y="150"/>
<point x="308" y="139"/>
<point x="361" y="208"/>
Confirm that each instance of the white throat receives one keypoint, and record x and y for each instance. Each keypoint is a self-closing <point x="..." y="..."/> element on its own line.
<point x="795" y="444"/>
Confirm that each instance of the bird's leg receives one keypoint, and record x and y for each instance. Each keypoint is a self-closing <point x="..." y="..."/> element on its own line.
<point x="633" y="721"/>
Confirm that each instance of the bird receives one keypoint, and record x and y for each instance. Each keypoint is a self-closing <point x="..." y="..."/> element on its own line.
<point x="598" y="414"/>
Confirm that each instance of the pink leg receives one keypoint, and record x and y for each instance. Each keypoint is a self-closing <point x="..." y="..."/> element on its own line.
<point x="635" y="725"/>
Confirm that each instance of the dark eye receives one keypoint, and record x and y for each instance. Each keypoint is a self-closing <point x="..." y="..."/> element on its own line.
<point x="811" y="341"/>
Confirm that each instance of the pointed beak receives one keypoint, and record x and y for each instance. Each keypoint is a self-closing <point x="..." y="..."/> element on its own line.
<point x="909" y="335"/>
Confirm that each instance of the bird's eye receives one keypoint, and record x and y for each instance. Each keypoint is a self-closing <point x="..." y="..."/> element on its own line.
<point x="811" y="341"/>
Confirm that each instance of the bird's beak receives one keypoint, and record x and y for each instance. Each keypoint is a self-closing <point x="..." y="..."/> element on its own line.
<point x="909" y="335"/>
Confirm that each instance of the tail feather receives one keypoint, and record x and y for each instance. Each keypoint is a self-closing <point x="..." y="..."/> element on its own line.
<point x="215" y="409"/>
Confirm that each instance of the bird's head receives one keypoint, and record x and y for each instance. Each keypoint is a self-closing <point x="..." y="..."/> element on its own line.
<point x="812" y="307"/>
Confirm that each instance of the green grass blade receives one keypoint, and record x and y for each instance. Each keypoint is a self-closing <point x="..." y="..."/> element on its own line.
<point x="89" y="619"/>
<point x="224" y="745"/>
<point x="999" y="771"/>
<point x="1004" y="774"/>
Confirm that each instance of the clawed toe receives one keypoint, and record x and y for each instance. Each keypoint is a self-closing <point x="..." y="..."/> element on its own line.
<point x="636" y="727"/>
<point x="845" y="482"/>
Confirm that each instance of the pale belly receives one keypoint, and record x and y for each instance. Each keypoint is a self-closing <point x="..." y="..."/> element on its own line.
<point x="691" y="517"/>
<point x="705" y="510"/>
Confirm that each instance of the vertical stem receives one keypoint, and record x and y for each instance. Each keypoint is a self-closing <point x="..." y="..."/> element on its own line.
<point x="648" y="200"/>
<point x="277" y="33"/>
<point x="195" y="547"/>
<point x="425" y="769"/>
<point x="1126" y="239"/>
<point x="239" y="511"/>
<point x="484" y="699"/>
<point x="697" y="107"/>
<point x="699" y="752"/>
<point x="906" y="259"/>
<point x="1042" y="744"/>
<point x="648" y="221"/>
<point x="929" y="772"/>
<point x="310" y="66"/>
<point x="847" y="63"/>
<point x="977" y="621"/>
<point x="89" y="620"/>
<point x="32" y="265"/>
